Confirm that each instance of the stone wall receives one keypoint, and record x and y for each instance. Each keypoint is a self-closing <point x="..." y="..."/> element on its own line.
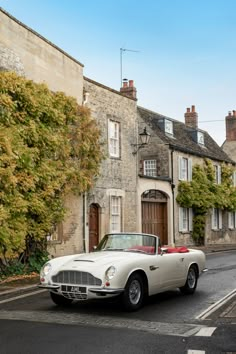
<point x="118" y="175"/>
<point x="29" y="54"/>
<point x="26" y="52"/>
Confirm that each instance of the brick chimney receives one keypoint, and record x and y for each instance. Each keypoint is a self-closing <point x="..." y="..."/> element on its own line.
<point x="128" y="89"/>
<point x="230" y="125"/>
<point x="191" y="117"/>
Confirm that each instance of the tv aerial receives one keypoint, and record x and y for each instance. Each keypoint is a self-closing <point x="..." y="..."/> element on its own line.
<point x="122" y="50"/>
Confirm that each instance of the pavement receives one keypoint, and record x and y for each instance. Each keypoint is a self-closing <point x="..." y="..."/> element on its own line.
<point x="223" y="309"/>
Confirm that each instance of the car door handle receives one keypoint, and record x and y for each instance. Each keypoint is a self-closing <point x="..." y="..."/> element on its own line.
<point x="152" y="267"/>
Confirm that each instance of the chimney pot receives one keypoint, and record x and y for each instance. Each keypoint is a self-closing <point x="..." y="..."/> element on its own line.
<point x="188" y="110"/>
<point x="128" y="89"/>
<point x="193" y="108"/>
<point x="131" y="83"/>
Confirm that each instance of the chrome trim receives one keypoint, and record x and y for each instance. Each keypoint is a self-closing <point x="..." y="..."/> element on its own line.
<point x="50" y="287"/>
<point x="106" y="291"/>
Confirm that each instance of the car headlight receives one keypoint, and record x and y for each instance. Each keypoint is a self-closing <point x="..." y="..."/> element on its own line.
<point x="45" y="270"/>
<point x="110" y="272"/>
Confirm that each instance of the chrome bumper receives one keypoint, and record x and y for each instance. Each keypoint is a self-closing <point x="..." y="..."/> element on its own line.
<point x="49" y="287"/>
<point x="105" y="291"/>
<point x="204" y="271"/>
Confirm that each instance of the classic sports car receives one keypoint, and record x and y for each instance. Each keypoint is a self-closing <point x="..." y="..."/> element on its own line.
<point x="132" y="265"/>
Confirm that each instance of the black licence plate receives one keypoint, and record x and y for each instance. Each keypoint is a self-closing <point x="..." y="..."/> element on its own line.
<point x="74" y="289"/>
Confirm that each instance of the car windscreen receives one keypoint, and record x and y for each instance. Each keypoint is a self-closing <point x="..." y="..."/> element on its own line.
<point x="128" y="242"/>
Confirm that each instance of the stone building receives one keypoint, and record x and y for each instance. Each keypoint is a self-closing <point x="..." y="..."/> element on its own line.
<point x="112" y="204"/>
<point x="176" y="147"/>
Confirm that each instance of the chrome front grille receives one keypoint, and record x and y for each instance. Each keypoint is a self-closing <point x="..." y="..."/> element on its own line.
<point x="76" y="277"/>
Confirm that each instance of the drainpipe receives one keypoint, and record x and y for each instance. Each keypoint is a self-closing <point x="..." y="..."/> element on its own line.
<point x="84" y="222"/>
<point x="173" y="194"/>
<point x="85" y="101"/>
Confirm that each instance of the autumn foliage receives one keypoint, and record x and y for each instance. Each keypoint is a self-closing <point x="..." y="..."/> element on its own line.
<point x="49" y="146"/>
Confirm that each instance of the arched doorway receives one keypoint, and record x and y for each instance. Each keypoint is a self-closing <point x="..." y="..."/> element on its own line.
<point x="93" y="226"/>
<point x="154" y="214"/>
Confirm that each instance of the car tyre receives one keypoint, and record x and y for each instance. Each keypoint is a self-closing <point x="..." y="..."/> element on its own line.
<point x="191" y="281"/>
<point x="60" y="300"/>
<point x="133" y="295"/>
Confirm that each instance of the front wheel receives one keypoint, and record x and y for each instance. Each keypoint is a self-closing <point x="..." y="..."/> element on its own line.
<point x="191" y="282"/>
<point x="60" y="300"/>
<point x="133" y="295"/>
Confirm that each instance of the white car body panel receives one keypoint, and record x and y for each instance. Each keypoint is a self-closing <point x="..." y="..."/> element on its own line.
<point x="164" y="271"/>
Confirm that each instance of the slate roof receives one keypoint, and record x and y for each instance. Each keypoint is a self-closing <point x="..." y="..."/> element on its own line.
<point x="182" y="139"/>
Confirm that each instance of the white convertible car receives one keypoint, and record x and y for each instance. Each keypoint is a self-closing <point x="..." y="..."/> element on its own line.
<point x="131" y="265"/>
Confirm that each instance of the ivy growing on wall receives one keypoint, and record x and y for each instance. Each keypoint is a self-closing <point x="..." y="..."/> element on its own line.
<point x="203" y="194"/>
<point x="49" y="147"/>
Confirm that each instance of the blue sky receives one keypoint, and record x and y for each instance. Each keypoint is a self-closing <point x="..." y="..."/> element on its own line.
<point x="186" y="49"/>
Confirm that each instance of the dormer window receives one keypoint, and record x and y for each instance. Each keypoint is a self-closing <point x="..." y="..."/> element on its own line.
<point x="168" y="126"/>
<point x="200" y="138"/>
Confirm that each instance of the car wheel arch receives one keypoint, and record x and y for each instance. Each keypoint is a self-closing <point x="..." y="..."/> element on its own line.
<point x="195" y="265"/>
<point x="144" y="278"/>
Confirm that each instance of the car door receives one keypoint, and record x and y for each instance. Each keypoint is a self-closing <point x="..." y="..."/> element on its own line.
<point x="166" y="271"/>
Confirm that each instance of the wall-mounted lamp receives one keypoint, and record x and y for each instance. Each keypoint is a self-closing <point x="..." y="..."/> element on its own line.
<point x="144" y="137"/>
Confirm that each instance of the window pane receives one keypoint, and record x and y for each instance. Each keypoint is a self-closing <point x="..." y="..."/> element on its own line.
<point x="114" y="138"/>
<point x="150" y="168"/>
<point x="184" y="169"/>
<point x="115" y="214"/>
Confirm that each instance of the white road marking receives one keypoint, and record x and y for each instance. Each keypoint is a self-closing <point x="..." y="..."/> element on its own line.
<point x="215" y="306"/>
<point x="206" y="332"/>
<point x="21" y="296"/>
<point x="191" y="351"/>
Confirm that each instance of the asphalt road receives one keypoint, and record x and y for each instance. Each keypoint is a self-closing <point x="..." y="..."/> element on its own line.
<point x="169" y="322"/>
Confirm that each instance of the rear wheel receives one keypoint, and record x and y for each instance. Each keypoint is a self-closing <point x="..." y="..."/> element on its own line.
<point x="133" y="295"/>
<point x="191" y="282"/>
<point x="60" y="300"/>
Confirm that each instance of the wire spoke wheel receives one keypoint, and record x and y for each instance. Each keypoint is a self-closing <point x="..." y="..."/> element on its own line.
<point x="135" y="292"/>
<point x="133" y="295"/>
<point x="191" y="278"/>
<point x="191" y="281"/>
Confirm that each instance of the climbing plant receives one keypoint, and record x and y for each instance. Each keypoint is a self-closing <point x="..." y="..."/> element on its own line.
<point x="49" y="146"/>
<point x="203" y="193"/>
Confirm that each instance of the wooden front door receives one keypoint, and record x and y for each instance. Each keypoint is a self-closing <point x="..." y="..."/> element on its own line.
<point x="154" y="215"/>
<point x="93" y="226"/>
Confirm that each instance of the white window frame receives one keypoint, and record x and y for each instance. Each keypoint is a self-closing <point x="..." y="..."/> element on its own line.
<point x="234" y="178"/>
<point x="200" y="138"/>
<point x="185" y="219"/>
<point x="114" y="138"/>
<point x="185" y="169"/>
<point x="150" y="168"/>
<point x="115" y="214"/>
<point x="217" y="169"/>
<point x="216" y="219"/>
<point x="168" y="126"/>
<point x="232" y="219"/>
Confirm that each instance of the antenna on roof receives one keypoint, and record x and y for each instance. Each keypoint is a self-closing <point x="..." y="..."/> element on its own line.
<point x="121" y="61"/>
